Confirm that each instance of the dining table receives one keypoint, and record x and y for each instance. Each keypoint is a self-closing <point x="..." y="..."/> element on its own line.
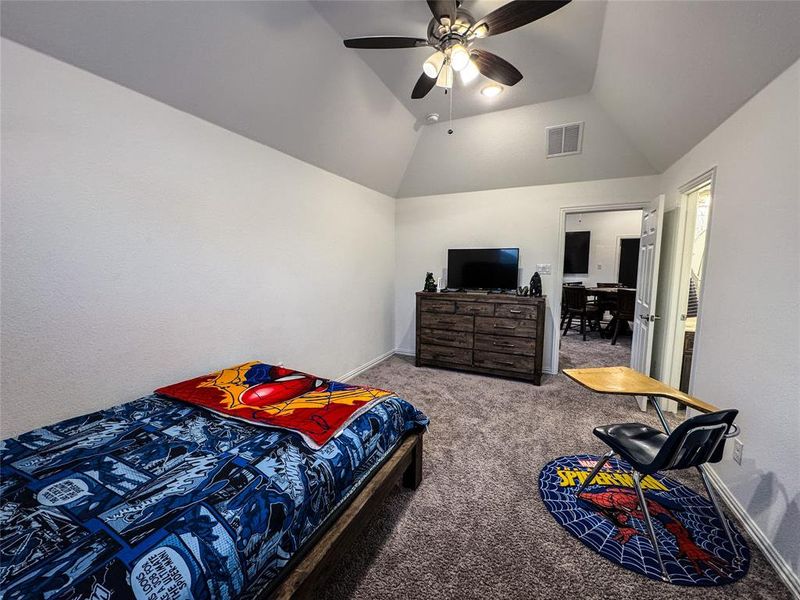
<point x="608" y="295"/>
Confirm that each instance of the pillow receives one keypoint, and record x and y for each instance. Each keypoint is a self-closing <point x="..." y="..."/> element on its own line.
<point x="273" y="396"/>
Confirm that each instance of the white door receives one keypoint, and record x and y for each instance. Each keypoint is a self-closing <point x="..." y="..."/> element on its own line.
<point x="647" y="286"/>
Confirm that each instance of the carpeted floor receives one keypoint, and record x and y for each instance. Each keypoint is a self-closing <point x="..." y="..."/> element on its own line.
<point x="476" y="527"/>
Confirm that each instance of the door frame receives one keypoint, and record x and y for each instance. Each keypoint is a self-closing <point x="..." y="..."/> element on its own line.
<point x="618" y="252"/>
<point x="558" y="270"/>
<point x="677" y="295"/>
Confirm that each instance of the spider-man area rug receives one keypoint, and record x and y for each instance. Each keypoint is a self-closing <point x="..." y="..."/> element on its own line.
<point x="608" y="519"/>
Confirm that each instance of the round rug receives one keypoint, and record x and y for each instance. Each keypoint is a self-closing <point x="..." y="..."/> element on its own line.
<point x="693" y="544"/>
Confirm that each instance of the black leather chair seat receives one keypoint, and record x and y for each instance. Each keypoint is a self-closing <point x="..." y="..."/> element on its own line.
<point x="635" y="442"/>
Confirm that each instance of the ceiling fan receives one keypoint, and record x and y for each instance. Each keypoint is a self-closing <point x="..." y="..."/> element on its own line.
<point x="453" y="32"/>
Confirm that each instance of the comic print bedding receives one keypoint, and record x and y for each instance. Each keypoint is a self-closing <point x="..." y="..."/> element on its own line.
<point x="274" y="396"/>
<point x="162" y="500"/>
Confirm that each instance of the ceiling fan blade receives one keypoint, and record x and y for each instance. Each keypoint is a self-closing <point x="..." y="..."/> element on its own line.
<point x="516" y="14"/>
<point x="496" y="68"/>
<point x="385" y="42"/>
<point x="443" y="9"/>
<point x="424" y="85"/>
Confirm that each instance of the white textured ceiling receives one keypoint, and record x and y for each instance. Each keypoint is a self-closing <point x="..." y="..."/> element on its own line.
<point x="556" y="55"/>
<point x="650" y="78"/>
<point x="272" y="71"/>
<point x="670" y="72"/>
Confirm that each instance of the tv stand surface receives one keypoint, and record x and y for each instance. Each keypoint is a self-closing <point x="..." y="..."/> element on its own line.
<point x="494" y="334"/>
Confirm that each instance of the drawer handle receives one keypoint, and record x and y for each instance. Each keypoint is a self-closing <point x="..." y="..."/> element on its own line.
<point x="514" y="312"/>
<point x="504" y="344"/>
<point x="447" y="322"/>
<point x="438" y="355"/>
<point x="505" y="362"/>
<point x="447" y="338"/>
<point x="498" y="326"/>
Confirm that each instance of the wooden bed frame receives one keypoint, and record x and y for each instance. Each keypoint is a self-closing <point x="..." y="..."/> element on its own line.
<point x="310" y="574"/>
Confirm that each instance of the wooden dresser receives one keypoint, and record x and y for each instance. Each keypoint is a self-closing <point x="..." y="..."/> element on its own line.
<point x="485" y="333"/>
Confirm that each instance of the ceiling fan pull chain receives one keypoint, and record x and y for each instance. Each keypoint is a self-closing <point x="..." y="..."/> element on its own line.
<point x="450" y="130"/>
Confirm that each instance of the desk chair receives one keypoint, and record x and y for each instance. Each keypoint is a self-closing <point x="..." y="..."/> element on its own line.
<point x="693" y="443"/>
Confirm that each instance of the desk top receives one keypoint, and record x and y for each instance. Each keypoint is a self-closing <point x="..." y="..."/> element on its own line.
<point x="628" y="382"/>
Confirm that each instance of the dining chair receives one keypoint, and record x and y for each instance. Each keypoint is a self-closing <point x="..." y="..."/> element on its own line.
<point x="693" y="443"/>
<point x="563" y="304"/>
<point x="624" y="311"/>
<point x="576" y="302"/>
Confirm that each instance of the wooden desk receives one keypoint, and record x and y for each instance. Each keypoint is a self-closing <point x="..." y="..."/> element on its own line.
<point x="628" y="382"/>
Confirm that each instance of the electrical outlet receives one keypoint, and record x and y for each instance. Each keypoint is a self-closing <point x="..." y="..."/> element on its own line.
<point x="738" y="447"/>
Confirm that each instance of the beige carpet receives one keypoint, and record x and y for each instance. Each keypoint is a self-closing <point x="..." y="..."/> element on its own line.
<point x="476" y="527"/>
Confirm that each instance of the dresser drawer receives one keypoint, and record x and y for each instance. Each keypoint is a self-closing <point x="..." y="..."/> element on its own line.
<point x="442" y="354"/>
<point x="457" y="339"/>
<point x="448" y="322"/>
<point x="437" y="306"/>
<point x="509" y="345"/>
<point x="515" y="327"/>
<point x="505" y="362"/>
<point x="515" y="311"/>
<point x="474" y="308"/>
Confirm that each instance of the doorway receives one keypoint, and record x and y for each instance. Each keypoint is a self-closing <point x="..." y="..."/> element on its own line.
<point x="687" y="228"/>
<point x="598" y="285"/>
<point x="698" y="212"/>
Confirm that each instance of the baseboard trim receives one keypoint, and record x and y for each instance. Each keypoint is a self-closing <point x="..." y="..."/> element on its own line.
<point x="358" y="370"/>
<point x="404" y="352"/>
<point x="790" y="579"/>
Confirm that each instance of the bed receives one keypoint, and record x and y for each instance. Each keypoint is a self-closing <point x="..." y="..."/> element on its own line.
<point x="160" y="499"/>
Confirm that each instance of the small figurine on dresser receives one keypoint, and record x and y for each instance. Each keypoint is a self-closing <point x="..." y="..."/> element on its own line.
<point x="536" y="285"/>
<point x="522" y="291"/>
<point x="430" y="283"/>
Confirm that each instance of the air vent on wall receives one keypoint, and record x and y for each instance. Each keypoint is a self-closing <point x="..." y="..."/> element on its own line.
<point x="563" y="140"/>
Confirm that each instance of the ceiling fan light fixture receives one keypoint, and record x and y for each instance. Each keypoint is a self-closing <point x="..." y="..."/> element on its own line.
<point x="433" y="65"/>
<point x="481" y="31"/>
<point x="469" y="73"/>
<point x="492" y="90"/>
<point x="459" y="57"/>
<point x="445" y="79"/>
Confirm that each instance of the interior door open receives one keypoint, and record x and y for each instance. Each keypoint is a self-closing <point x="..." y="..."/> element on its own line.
<point x="647" y="288"/>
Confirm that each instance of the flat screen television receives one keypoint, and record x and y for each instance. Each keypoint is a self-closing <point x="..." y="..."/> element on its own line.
<point x="482" y="268"/>
<point x="576" y="252"/>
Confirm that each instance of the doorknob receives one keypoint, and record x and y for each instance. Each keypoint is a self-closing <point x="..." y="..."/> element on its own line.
<point x="650" y="318"/>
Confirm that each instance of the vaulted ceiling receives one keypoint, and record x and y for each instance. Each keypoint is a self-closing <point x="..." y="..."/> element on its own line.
<point x="557" y="54"/>
<point x="649" y="78"/>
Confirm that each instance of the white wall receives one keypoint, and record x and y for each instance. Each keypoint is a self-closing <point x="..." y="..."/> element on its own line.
<point x="747" y="352"/>
<point x="606" y="229"/>
<point x="142" y="246"/>
<point x="526" y="217"/>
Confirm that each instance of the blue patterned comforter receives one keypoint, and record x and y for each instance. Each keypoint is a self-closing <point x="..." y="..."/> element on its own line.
<point x="161" y="500"/>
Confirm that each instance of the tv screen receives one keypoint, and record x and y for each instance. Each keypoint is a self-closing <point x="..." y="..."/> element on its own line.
<point x="576" y="252"/>
<point x="485" y="268"/>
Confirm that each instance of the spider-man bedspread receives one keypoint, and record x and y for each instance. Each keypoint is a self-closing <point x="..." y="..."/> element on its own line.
<point x="159" y="499"/>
